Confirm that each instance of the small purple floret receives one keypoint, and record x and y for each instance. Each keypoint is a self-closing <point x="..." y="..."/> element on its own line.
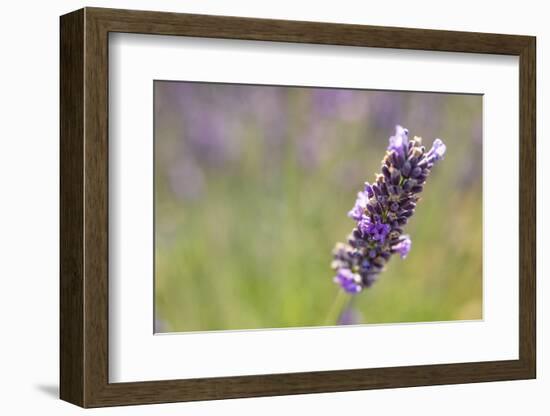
<point x="403" y="247"/>
<point x="438" y="150"/>
<point x="378" y="232"/>
<point x="368" y="190"/>
<point x="399" y="141"/>
<point x="349" y="281"/>
<point x="364" y="224"/>
<point x="360" y="204"/>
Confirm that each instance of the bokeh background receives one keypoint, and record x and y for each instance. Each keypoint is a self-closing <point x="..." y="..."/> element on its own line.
<point x="252" y="187"/>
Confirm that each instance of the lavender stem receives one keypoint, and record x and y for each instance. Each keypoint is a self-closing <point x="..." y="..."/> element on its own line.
<point x="337" y="307"/>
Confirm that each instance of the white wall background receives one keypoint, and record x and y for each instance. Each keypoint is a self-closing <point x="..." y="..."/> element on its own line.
<point x="29" y="207"/>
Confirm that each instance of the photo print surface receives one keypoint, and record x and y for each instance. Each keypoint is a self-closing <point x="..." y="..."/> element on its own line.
<point x="285" y="206"/>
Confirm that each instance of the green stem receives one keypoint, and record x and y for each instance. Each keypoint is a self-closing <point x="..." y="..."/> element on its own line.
<point x="338" y="306"/>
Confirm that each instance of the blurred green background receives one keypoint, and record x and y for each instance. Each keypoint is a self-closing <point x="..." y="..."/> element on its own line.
<point x="252" y="188"/>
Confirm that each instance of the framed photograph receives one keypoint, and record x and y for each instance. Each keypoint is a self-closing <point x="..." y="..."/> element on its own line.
<point x="254" y="207"/>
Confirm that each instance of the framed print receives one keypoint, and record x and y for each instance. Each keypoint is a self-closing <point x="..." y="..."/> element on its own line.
<point x="254" y="207"/>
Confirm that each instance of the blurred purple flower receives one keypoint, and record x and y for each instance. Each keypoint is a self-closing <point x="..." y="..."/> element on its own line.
<point x="268" y="106"/>
<point x="350" y="316"/>
<point x="327" y="101"/>
<point x="186" y="180"/>
<point x="311" y="147"/>
<point x="390" y="106"/>
<point x="346" y="104"/>
<point x="160" y="326"/>
<point x="209" y="125"/>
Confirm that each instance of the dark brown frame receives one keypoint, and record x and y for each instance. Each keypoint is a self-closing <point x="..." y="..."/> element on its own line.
<point x="84" y="207"/>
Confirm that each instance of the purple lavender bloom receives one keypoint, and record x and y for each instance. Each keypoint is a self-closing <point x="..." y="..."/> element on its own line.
<point x="350" y="282"/>
<point x="400" y="141"/>
<point x="403" y="247"/>
<point x="378" y="231"/>
<point x="381" y="211"/>
<point x="360" y="204"/>
<point x="364" y="223"/>
<point x="437" y="151"/>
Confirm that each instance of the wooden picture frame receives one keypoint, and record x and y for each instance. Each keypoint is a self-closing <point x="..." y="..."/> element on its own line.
<point x="84" y="207"/>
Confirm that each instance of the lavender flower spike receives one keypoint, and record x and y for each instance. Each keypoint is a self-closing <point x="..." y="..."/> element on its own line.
<point x="381" y="211"/>
<point x="360" y="204"/>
